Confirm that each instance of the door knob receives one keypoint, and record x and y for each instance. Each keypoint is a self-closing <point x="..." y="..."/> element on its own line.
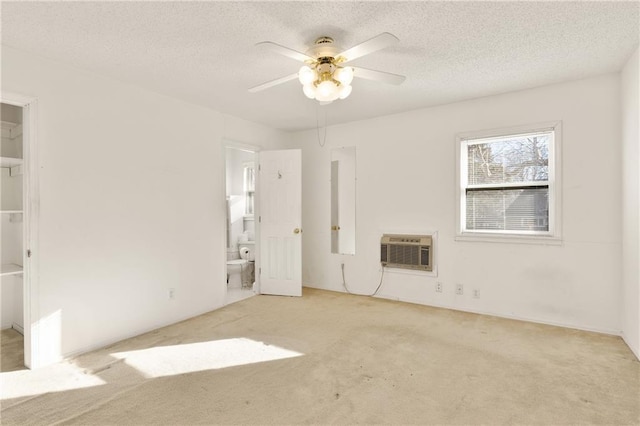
<point x="335" y="228"/>
<point x="297" y="231"/>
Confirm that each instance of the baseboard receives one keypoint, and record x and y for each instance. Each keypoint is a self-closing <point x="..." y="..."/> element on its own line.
<point x="18" y="328"/>
<point x="600" y="330"/>
<point x="635" y="351"/>
<point x="107" y="342"/>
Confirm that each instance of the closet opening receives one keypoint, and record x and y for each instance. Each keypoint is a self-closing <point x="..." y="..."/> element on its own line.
<point x="12" y="255"/>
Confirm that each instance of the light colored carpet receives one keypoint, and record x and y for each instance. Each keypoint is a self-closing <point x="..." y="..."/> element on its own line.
<point x="331" y="358"/>
<point x="12" y="358"/>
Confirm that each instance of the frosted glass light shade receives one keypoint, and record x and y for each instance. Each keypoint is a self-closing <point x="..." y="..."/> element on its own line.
<point x="306" y="75"/>
<point x="332" y="87"/>
<point x="327" y="91"/>
<point x="344" y="75"/>
<point x="309" y="90"/>
<point x="345" y="90"/>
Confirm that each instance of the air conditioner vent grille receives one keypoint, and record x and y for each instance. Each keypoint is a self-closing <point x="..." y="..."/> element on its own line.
<point x="407" y="251"/>
<point x="403" y="255"/>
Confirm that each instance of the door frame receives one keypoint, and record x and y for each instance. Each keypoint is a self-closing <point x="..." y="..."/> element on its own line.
<point x="30" y="223"/>
<point x="227" y="143"/>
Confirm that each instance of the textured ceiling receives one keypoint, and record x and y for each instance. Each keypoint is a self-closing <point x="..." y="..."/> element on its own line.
<point x="203" y="52"/>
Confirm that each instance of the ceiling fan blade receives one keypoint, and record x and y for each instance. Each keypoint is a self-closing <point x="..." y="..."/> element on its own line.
<point x="272" y="83"/>
<point x="290" y="53"/>
<point x="385" y="77"/>
<point x="378" y="42"/>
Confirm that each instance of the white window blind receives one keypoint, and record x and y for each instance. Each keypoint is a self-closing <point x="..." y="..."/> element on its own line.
<point x="506" y="183"/>
<point x="249" y="187"/>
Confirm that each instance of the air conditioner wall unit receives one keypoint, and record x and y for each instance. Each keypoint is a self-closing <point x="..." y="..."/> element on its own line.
<point x="407" y="251"/>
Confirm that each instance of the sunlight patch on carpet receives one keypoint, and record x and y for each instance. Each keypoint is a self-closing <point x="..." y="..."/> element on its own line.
<point x="192" y="357"/>
<point x="54" y="378"/>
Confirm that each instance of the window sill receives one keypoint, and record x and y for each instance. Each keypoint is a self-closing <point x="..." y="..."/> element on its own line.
<point x="513" y="239"/>
<point x="402" y="271"/>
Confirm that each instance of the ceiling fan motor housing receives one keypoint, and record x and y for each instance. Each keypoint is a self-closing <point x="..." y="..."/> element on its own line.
<point x="323" y="48"/>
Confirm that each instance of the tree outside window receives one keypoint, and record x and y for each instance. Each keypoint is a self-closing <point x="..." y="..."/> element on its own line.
<point x="506" y="183"/>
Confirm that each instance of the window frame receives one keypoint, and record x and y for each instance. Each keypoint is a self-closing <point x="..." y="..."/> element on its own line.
<point x="553" y="235"/>
<point x="246" y="190"/>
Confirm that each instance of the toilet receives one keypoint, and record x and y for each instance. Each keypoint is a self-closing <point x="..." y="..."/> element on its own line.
<point x="248" y="254"/>
<point x="241" y="272"/>
<point x="248" y="250"/>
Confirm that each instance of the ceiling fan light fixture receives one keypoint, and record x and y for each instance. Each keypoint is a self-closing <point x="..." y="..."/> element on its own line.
<point x="323" y="76"/>
<point x="327" y="91"/>
<point x="344" y="91"/>
<point x="309" y="90"/>
<point x="307" y="75"/>
<point x="344" y="75"/>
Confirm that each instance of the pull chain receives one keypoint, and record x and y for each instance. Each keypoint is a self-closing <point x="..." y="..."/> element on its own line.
<point x="324" y="141"/>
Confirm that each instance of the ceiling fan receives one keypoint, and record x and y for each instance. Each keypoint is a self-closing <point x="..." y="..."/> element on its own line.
<point x="324" y="76"/>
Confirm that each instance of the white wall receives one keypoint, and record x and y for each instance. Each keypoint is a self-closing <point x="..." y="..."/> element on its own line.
<point x="406" y="183"/>
<point x="132" y="203"/>
<point x="630" y="201"/>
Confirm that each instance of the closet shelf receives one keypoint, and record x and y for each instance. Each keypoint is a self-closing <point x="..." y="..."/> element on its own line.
<point x="10" y="162"/>
<point x="10" y="211"/>
<point x="10" y="269"/>
<point x="10" y="130"/>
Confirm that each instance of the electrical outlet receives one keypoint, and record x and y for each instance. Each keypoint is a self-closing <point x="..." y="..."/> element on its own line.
<point x="459" y="289"/>
<point x="476" y="293"/>
<point x="438" y="287"/>
<point x="172" y="293"/>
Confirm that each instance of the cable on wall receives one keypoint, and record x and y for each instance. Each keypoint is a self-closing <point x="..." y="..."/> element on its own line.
<point x="344" y="284"/>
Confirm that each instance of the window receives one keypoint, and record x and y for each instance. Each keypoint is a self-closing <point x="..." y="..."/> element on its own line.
<point x="508" y="184"/>
<point x="249" y="187"/>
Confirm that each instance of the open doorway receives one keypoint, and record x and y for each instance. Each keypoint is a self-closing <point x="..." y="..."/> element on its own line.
<point x="241" y="209"/>
<point x="12" y="294"/>
<point x="20" y="213"/>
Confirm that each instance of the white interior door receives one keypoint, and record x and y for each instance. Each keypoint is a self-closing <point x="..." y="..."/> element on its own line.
<point x="280" y="222"/>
